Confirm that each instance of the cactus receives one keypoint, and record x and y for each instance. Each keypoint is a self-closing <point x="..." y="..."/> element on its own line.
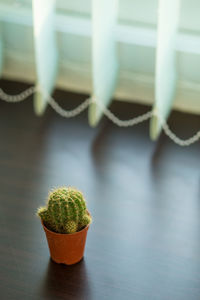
<point x="65" y="212"/>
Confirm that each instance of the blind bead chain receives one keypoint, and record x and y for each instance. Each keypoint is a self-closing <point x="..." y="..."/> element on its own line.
<point x="173" y="137"/>
<point x="80" y="108"/>
<point x="19" y="97"/>
<point x="68" y="113"/>
<point x="123" y="123"/>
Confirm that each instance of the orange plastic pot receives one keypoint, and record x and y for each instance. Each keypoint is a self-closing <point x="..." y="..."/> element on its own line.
<point x="66" y="248"/>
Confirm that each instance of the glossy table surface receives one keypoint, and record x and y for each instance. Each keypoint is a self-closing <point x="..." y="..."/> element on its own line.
<point x="144" y="197"/>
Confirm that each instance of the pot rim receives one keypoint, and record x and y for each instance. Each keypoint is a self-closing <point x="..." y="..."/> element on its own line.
<point x="64" y="234"/>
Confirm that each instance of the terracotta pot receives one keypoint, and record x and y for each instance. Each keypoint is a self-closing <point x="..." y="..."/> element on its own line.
<point x="66" y="248"/>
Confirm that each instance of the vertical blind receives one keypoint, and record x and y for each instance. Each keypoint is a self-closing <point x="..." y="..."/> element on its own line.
<point x="45" y="51"/>
<point x="105" y="56"/>
<point x="165" y="81"/>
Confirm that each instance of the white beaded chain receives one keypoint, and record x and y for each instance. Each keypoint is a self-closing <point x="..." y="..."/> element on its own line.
<point x="121" y="123"/>
<point x="175" y="138"/>
<point x="68" y="113"/>
<point x="19" y="97"/>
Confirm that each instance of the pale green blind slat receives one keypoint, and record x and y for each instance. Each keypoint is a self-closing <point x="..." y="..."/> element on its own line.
<point x="104" y="54"/>
<point x="45" y="50"/>
<point x="165" y="78"/>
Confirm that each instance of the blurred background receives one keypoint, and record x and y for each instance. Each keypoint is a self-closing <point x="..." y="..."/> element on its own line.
<point x="136" y="42"/>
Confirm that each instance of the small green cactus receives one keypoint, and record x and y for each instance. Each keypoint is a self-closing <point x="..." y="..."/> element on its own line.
<point x="66" y="211"/>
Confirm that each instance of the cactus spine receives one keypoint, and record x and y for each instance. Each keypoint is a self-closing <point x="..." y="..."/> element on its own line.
<point x="66" y="211"/>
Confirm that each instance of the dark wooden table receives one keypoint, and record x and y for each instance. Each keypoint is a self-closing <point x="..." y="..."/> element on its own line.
<point x="144" y="242"/>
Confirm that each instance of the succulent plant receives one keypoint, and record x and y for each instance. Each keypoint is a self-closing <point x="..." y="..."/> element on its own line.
<point x="65" y="211"/>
